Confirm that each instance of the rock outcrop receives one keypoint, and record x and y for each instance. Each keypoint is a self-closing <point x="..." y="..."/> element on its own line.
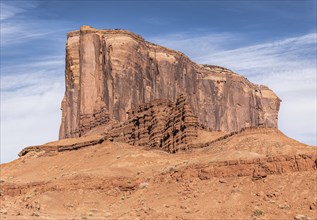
<point x="159" y="124"/>
<point x="109" y="72"/>
<point x="64" y="145"/>
<point x="255" y="168"/>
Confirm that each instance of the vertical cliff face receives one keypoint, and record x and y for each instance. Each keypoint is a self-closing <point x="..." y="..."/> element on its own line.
<point x="109" y="72"/>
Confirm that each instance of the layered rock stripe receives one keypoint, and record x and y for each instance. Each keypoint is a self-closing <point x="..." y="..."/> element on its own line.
<point x="159" y="124"/>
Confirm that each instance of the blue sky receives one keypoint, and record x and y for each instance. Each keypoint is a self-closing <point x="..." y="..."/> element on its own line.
<point x="269" y="42"/>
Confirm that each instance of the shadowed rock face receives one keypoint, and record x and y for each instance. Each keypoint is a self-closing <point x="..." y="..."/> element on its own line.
<point x="109" y="72"/>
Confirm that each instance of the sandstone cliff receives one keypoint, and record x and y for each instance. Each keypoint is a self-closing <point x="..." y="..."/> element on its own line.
<point x="110" y="72"/>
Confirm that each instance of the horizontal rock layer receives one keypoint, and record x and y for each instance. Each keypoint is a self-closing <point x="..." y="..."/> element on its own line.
<point x="158" y="124"/>
<point x="62" y="145"/>
<point x="109" y="72"/>
<point x="255" y="168"/>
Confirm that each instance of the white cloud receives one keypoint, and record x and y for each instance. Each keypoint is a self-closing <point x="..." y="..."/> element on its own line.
<point x="30" y="106"/>
<point x="272" y="56"/>
<point x="288" y="66"/>
<point x="31" y="87"/>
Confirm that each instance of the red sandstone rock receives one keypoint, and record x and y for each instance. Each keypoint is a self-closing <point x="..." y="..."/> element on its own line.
<point x="109" y="72"/>
<point x="158" y="124"/>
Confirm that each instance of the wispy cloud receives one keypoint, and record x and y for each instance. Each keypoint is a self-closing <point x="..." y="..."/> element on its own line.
<point x="288" y="66"/>
<point x="270" y="56"/>
<point x="13" y="22"/>
<point x="18" y="27"/>
<point x="30" y="106"/>
<point x="11" y="9"/>
<point x="195" y="46"/>
<point x="31" y="86"/>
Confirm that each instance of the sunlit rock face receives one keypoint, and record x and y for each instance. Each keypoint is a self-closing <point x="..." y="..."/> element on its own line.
<point x="110" y="72"/>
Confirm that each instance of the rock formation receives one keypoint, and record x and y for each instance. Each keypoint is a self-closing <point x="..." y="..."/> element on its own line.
<point x="110" y="72"/>
<point x="64" y="145"/>
<point x="158" y="124"/>
<point x="120" y="88"/>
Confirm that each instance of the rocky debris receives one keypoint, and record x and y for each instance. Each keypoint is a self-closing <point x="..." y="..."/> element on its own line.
<point x="3" y="211"/>
<point x="203" y="175"/>
<point x="109" y="72"/>
<point x="127" y="187"/>
<point x="301" y="217"/>
<point x="158" y="124"/>
<point x="259" y="174"/>
<point x="144" y="185"/>
<point x="313" y="206"/>
<point x="283" y="206"/>
<point x="257" y="212"/>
